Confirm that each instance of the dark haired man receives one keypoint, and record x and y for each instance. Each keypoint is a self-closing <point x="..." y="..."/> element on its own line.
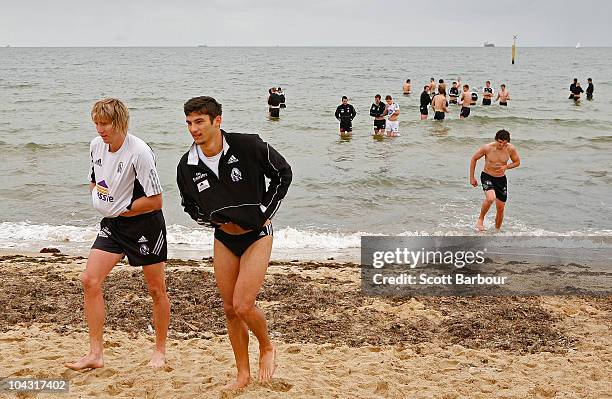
<point x="493" y="176"/>
<point x="439" y="104"/>
<point x="221" y="180"/>
<point x="274" y="102"/>
<point x="466" y="100"/>
<point x="453" y="93"/>
<point x="571" y="89"/>
<point x="281" y="95"/>
<point x="590" y="89"/>
<point x="406" y="87"/>
<point x="377" y="110"/>
<point x="487" y="93"/>
<point x="345" y="114"/>
<point x="425" y="101"/>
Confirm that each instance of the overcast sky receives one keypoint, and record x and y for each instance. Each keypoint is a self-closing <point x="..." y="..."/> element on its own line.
<point x="304" y="23"/>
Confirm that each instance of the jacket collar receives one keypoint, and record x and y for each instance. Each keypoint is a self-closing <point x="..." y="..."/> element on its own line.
<point x="193" y="159"/>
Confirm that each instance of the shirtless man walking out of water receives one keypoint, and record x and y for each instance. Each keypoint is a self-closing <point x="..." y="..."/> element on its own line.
<point x="125" y="189"/>
<point x="493" y="177"/>
<point x="503" y="96"/>
<point x="466" y="100"/>
<point x="407" y="87"/>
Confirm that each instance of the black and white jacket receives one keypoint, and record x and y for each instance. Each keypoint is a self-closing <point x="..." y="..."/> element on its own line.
<point x="239" y="194"/>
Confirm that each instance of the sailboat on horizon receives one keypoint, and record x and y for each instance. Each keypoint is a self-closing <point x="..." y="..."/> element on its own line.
<point x="578" y="45"/>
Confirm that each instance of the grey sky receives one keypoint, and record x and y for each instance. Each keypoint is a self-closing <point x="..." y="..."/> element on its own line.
<point x="304" y="23"/>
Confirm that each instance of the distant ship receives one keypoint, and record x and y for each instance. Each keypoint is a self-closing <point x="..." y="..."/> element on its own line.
<point x="202" y="45"/>
<point x="487" y="44"/>
<point x="577" y="45"/>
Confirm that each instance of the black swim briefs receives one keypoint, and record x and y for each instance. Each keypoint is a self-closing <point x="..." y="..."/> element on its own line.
<point x="465" y="112"/>
<point x="499" y="184"/>
<point x="142" y="238"/>
<point x="239" y="243"/>
<point x="439" y="115"/>
<point x="486" y="101"/>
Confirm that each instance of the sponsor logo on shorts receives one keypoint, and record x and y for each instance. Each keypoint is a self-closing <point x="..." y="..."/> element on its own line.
<point x="236" y="175"/>
<point x="102" y="189"/>
<point x="203" y="185"/>
<point x="143" y="239"/>
<point x="104" y="232"/>
<point x="232" y="160"/>
<point x="144" y="249"/>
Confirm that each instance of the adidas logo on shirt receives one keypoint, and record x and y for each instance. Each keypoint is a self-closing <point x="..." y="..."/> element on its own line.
<point x="143" y="239"/>
<point x="232" y="160"/>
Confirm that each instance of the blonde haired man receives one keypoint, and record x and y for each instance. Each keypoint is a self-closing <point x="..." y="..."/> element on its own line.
<point x="125" y="189"/>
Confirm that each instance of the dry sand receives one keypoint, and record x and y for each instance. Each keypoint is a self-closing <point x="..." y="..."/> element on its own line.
<point x="332" y="341"/>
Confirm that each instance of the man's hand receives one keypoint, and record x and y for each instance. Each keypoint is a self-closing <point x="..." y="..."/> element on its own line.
<point x="473" y="182"/>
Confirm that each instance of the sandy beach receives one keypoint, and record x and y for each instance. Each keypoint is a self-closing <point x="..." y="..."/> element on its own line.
<point x="332" y="341"/>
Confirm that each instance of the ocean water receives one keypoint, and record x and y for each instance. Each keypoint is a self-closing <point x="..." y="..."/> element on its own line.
<point x="415" y="184"/>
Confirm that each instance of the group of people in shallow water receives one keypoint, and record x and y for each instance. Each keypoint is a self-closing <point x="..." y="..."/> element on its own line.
<point x="435" y="95"/>
<point x="576" y="90"/>
<point x="386" y="113"/>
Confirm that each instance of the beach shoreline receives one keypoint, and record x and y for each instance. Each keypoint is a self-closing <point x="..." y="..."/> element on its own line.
<point x="332" y="340"/>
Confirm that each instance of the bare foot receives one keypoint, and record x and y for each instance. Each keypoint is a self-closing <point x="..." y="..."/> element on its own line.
<point x="158" y="359"/>
<point x="241" y="382"/>
<point x="88" y="361"/>
<point x="267" y="364"/>
<point x="480" y="225"/>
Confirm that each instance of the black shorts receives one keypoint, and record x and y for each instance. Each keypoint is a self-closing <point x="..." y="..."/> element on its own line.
<point x="238" y="243"/>
<point x="379" y="124"/>
<point x="486" y="101"/>
<point x="589" y="96"/>
<point x="465" y="112"/>
<point x="499" y="184"/>
<point x="346" y="125"/>
<point x="142" y="238"/>
<point x="274" y="112"/>
<point x="439" y="115"/>
<point x="503" y="103"/>
<point x="424" y="110"/>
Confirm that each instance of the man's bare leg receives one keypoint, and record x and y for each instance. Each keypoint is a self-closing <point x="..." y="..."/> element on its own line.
<point x="227" y="266"/>
<point x="253" y="265"/>
<point x="156" y="281"/>
<point x="499" y="217"/>
<point x="99" y="265"/>
<point x="486" y="205"/>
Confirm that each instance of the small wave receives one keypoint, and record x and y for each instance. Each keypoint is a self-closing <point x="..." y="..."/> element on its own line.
<point x="19" y="85"/>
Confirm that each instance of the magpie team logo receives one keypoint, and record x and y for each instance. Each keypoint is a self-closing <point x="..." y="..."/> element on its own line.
<point x="144" y="249"/>
<point x="102" y="189"/>
<point x="232" y="159"/>
<point x="99" y="162"/>
<point x="119" y="167"/>
<point x="236" y="175"/>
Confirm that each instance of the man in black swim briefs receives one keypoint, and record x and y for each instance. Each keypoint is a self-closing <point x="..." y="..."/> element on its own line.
<point x="493" y="176"/>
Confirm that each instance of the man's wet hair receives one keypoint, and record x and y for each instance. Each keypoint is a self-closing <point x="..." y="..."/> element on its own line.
<point x="441" y="81"/>
<point x="589" y="80"/>
<point x="575" y="80"/>
<point x="407" y="80"/>
<point x="203" y="105"/>
<point x="442" y="91"/>
<point x="388" y="97"/>
<point x="488" y="81"/>
<point x="111" y="110"/>
<point x="466" y="86"/>
<point x="503" y="85"/>
<point x="377" y="96"/>
<point x="425" y="87"/>
<point x="344" y="97"/>
<point x="502" y="135"/>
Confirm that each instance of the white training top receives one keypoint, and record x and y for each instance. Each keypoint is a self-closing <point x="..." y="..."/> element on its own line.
<point x="212" y="162"/>
<point x="121" y="176"/>
<point x="392" y="108"/>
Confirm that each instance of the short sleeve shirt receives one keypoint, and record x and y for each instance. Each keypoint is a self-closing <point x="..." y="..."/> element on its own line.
<point x="123" y="176"/>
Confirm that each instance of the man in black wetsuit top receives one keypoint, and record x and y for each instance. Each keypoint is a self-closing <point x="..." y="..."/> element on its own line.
<point x="425" y="101"/>
<point x="572" y="87"/>
<point x="274" y="101"/>
<point x="590" y="89"/>
<point x="377" y="110"/>
<point x="345" y="114"/>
